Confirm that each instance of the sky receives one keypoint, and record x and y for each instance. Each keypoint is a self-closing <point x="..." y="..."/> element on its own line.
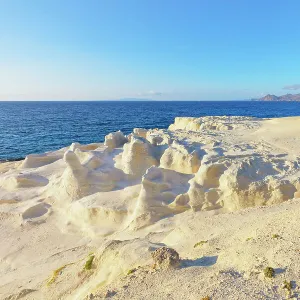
<point x="148" y="49"/>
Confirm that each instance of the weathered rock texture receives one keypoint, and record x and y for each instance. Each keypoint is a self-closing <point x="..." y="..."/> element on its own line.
<point x="166" y="258"/>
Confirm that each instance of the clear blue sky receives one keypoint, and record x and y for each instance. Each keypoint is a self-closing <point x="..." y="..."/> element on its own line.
<point x="158" y="49"/>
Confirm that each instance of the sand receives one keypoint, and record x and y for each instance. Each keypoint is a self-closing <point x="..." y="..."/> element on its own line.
<point x="83" y="221"/>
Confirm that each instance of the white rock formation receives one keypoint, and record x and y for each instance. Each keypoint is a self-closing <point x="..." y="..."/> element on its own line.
<point x="137" y="157"/>
<point x="80" y="180"/>
<point x="131" y="195"/>
<point x="141" y="132"/>
<point x="88" y="147"/>
<point x="223" y="123"/>
<point x="27" y="180"/>
<point x="202" y="163"/>
<point x="38" y="160"/>
<point x="115" y="140"/>
<point x="157" y="197"/>
<point x="181" y="158"/>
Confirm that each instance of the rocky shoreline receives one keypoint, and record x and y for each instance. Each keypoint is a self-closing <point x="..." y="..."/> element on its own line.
<point x="222" y="192"/>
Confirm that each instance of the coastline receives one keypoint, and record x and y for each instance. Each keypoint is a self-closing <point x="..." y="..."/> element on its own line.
<point x="66" y="122"/>
<point x="222" y="191"/>
<point x="4" y="160"/>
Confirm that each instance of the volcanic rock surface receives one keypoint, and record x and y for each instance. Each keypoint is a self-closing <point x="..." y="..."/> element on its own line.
<point x="222" y="184"/>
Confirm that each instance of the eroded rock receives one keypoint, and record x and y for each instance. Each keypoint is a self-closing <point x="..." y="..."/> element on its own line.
<point x="165" y="258"/>
<point x="115" y="140"/>
<point x="137" y="157"/>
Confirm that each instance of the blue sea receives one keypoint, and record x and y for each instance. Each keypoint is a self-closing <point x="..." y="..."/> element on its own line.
<point x="37" y="127"/>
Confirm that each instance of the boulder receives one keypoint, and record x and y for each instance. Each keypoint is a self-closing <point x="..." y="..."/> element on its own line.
<point x="166" y="258"/>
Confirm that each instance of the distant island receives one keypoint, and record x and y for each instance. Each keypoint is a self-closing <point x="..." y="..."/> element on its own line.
<point x="287" y="97"/>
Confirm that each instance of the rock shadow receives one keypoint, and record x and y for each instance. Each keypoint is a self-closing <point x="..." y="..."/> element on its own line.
<point x="205" y="261"/>
<point x="279" y="270"/>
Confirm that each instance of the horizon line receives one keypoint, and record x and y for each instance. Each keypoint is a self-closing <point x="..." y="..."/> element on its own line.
<point x="126" y="100"/>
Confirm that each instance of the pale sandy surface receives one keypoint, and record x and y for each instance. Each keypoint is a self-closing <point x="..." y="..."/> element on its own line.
<point x="231" y="184"/>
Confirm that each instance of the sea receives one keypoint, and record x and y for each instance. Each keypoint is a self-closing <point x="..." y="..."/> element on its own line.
<point x="37" y="127"/>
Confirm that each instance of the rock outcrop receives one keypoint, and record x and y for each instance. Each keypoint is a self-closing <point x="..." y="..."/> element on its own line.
<point x="137" y="157"/>
<point x="133" y="181"/>
<point x="166" y="258"/>
<point x="132" y="198"/>
<point x="181" y="158"/>
<point x="115" y="140"/>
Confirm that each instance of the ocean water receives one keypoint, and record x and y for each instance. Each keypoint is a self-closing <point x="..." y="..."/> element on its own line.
<point x="37" y="127"/>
